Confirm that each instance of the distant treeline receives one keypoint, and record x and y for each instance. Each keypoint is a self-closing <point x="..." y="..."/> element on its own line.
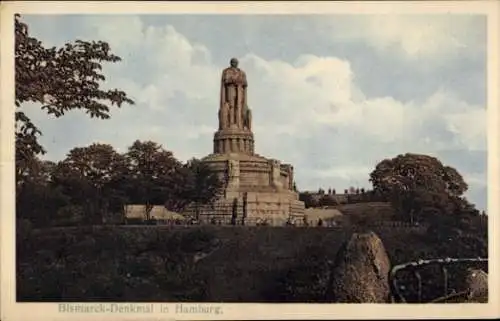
<point x="94" y="183"/>
<point x="332" y="198"/>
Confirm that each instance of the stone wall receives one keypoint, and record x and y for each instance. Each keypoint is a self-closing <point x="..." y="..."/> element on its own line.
<point x="275" y="208"/>
<point x="257" y="172"/>
<point x="254" y="178"/>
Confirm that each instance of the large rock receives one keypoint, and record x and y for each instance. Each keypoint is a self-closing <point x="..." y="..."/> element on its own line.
<point x="477" y="286"/>
<point x="361" y="271"/>
<point x="474" y="288"/>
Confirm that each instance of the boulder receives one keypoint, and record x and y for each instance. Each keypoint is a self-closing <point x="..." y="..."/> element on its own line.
<point x="361" y="271"/>
<point x="474" y="288"/>
<point x="477" y="285"/>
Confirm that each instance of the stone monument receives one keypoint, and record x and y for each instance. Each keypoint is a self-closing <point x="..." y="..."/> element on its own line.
<point x="264" y="187"/>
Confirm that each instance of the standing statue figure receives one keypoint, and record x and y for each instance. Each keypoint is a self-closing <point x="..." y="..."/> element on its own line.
<point x="233" y="168"/>
<point x="233" y="110"/>
<point x="247" y="118"/>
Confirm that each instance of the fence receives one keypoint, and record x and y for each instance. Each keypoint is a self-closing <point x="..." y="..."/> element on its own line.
<point x="404" y="277"/>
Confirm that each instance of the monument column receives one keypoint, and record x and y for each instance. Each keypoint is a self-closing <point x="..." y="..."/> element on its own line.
<point x="264" y="187"/>
<point x="234" y="134"/>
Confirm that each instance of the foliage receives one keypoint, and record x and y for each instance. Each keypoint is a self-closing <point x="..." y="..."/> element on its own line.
<point x="88" y="176"/>
<point x="109" y="264"/>
<point x="313" y="200"/>
<point x="60" y="80"/>
<point x="37" y="198"/>
<point x="197" y="186"/>
<point x="420" y="186"/>
<point x="308" y="199"/>
<point x="93" y="183"/>
<point x="204" y="185"/>
<point x="150" y="169"/>
<point x="155" y="264"/>
<point x="305" y="281"/>
<point x="327" y="200"/>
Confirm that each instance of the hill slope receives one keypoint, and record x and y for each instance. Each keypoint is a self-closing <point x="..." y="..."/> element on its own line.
<point x="376" y="210"/>
<point x="230" y="264"/>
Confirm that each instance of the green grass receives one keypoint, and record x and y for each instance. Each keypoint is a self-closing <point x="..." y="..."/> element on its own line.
<point x="250" y="264"/>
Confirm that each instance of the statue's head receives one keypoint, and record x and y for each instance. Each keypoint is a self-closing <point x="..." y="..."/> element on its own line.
<point x="234" y="62"/>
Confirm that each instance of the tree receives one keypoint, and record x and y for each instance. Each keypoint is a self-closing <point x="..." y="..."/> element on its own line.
<point x="60" y="79"/>
<point x="308" y="199"/>
<point x="327" y="200"/>
<point x="39" y="171"/>
<point x="203" y="185"/>
<point x="153" y="175"/>
<point x="419" y="186"/>
<point x="37" y="197"/>
<point x="90" y="176"/>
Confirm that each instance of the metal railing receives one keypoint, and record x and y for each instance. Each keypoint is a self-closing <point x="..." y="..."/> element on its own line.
<point x="415" y="268"/>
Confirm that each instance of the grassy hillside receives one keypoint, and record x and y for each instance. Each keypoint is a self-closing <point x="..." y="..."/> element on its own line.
<point x="208" y="263"/>
<point x="352" y="213"/>
<point x="315" y="214"/>
<point x="376" y="210"/>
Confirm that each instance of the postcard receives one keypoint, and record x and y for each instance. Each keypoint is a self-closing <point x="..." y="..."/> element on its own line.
<point x="249" y="160"/>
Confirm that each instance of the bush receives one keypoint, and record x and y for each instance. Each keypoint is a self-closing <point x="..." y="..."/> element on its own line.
<point x="327" y="200"/>
<point x="246" y="264"/>
<point x="305" y="281"/>
<point x="69" y="215"/>
<point x="109" y="264"/>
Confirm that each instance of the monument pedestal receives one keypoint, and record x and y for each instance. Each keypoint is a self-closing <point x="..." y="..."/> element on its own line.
<point x="262" y="188"/>
<point x="256" y="188"/>
<point x="233" y="140"/>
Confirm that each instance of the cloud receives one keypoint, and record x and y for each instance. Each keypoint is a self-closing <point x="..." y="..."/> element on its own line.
<point x="309" y="111"/>
<point x="335" y="135"/>
<point x="315" y="92"/>
<point x="415" y="37"/>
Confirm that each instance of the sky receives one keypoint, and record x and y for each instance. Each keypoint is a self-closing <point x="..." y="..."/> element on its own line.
<point x="332" y="95"/>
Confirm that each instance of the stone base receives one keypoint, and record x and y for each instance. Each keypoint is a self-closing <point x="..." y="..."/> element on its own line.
<point x="253" y="173"/>
<point x="257" y="188"/>
<point x="272" y="208"/>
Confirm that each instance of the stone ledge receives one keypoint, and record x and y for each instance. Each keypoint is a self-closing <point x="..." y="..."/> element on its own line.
<point x="235" y="134"/>
<point x="234" y="156"/>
